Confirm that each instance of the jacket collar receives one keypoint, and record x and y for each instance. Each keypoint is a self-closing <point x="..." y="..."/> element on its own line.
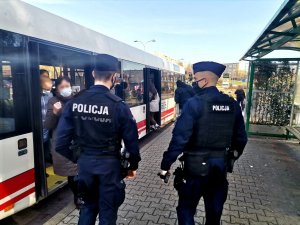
<point x="99" y="88"/>
<point x="208" y="90"/>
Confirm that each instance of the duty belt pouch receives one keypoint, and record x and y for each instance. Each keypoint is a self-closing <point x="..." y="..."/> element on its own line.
<point x="196" y="164"/>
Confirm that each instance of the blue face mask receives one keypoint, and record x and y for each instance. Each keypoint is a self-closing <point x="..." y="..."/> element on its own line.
<point x="66" y="92"/>
<point x="48" y="93"/>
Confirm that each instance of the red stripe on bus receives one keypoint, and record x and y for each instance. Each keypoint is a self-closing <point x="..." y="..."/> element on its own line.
<point x="141" y="124"/>
<point x="16" y="183"/>
<point x="17" y="198"/>
<point x="167" y="112"/>
<point x="166" y="116"/>
<point x="141" y="130"/>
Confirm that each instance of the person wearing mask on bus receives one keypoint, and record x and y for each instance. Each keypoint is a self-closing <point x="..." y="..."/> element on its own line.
<point x="120" y="89"/>
<point x="44" y="73"/>
<point x="46" y="95"/>
<point x="61" y="165"/>
<point x="154" y="105"/>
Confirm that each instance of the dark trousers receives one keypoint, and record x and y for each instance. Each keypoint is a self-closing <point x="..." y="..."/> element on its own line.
<point x="73" y="184"/>
<point x="102" y="190"/>
<point x="47" y="154"/>
<point x="213" y="193"/>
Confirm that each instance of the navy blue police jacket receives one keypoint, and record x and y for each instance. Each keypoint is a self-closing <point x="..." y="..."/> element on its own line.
<point x="123" y="120"/>
<point x="184" y="127"/>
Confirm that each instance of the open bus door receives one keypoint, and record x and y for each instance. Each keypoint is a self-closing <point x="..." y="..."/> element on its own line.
<point x="152" y="75"/>
<point x="58" y="62"/>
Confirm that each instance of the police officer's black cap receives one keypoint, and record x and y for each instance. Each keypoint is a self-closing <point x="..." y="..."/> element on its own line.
<point x="213" y="67"/>
<point x="106" y="63"/>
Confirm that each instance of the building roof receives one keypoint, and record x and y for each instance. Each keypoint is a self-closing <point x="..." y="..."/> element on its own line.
<point x="282" y="32"/>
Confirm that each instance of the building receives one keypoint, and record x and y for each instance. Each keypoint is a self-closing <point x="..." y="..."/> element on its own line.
<point x="235" y="74"/>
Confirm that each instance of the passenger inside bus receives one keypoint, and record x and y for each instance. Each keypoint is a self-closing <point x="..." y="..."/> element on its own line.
<point x="44" y="73"/>
<point x="154" y="105"/>
<point x="61" y="165"/>
<point x="46" y="87"/>
<point x="120" y="89"/>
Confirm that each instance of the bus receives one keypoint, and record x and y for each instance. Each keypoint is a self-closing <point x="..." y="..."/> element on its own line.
<point x="32" y="39"/>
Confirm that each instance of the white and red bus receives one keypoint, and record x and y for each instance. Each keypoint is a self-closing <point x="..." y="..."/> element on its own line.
<point x="32" y="39"/>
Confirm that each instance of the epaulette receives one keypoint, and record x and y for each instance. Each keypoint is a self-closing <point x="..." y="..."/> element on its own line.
<point x="113" y="97"/>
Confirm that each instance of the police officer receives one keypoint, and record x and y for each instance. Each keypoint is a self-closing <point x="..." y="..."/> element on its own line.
<point x="97" y="121"/>
<point x="211" y="124"/>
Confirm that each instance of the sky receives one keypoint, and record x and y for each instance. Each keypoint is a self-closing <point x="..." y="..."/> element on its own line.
<point x="192" y="30"/>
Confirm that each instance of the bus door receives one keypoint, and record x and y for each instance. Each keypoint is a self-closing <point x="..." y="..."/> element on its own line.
<point x="17" y="174"/>
<point x="58" y="62"/>
<point x="152" y="77"/>
<point x="130" y="87"/>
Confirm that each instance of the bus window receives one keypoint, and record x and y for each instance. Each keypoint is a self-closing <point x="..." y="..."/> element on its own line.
<point x="14" y="113"/>
<point x="133" y="83"/>
<point x="60" y="62"/>
<point x="167" y="85"/>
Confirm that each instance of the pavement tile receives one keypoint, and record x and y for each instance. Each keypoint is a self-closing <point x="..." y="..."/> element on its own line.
<point x="250" y="202"/>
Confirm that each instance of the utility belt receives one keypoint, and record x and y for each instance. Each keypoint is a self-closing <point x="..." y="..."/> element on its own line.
<point x="101" y="153"/>
<point x="197" y="163"/>
<point x="95" y="151"/>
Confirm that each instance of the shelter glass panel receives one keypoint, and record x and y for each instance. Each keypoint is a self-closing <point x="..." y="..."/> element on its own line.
<point x="296" y="107"/>
<point x="273" y="92"/>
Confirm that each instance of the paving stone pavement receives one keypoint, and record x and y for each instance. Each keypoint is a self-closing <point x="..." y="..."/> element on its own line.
<point x="263" y="190"/>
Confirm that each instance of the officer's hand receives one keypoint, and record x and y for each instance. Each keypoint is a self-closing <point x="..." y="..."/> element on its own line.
<point x="57" y="108"/>
<point x="164" y="175"/>
<point x="131" y="174"/>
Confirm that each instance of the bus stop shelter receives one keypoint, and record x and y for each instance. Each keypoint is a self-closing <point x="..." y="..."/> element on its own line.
<point x="273" y="101"/>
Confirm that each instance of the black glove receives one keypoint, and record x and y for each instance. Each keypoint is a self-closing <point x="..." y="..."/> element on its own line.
<point x="165" y="177"/>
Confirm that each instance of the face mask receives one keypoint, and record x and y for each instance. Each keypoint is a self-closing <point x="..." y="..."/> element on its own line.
<point x="195" y="84"/>
<point x="66" y="92"/>
<point x="47" y="93"/>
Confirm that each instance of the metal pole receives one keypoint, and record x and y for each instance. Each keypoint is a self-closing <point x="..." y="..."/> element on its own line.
<point x="249" y="100"/>
<point x="294" y="95"/>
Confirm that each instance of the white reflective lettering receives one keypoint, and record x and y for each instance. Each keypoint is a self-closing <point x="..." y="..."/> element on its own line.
<point x="100" y="110"/>
<point x="220" y="108"/>
<point x="105" y="110"/>
<point x="85" y="109"/>
<point x="74" y="106"/>
<point x="80" y="108"/>
<point x="94" y="109"/>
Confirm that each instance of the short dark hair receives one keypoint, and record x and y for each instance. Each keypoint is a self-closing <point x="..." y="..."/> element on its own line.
<point x="59" y="80"/>
<point x="103" y="75"/>
<point x="42" y="71"/>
